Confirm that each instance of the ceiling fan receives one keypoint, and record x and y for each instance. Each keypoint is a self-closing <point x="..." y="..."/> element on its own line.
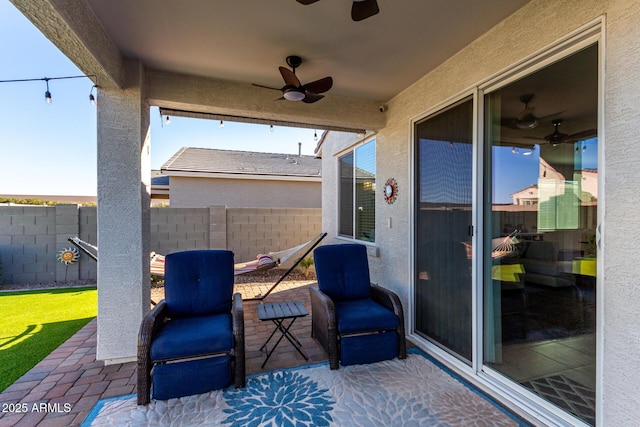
<point x="526" y="119"/>
<point x="293" y="90"/>
<point x="557" y="137"/>
<point x="361" y="9"/>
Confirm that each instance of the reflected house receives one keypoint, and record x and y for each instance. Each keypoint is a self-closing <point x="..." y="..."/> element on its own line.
<point x="527" y="196"/>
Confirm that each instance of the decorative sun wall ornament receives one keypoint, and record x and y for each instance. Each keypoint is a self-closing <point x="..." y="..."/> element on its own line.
<point x="390" y="190"/>
<point x="68" y="256"/>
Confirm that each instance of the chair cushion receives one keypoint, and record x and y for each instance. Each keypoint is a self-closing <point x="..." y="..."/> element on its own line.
<point x="193" y="336"/>
<point x="364" y="316"/>
<point x="198" y="283"/>
<point x="360" y="349"/>
<point x="199" y="376"/>
<point x="343" y="271"/>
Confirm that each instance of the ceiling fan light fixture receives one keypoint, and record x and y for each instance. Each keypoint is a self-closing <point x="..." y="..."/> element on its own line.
<point x="527" y="123"/>
<point x="293" y="94"/>
<point x="557" y="137"/>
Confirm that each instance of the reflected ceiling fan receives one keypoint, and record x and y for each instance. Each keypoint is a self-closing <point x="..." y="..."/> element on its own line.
<point x="526" y="119"/>
<point x="557" y="137"/>
<point x="293" y="90"/>
<point x="361" y="9"/>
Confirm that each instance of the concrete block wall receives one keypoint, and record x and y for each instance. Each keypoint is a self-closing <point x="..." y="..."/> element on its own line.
<point x="251" y="231"/>
<point x="179" y="229"/>
<point x="88" y="231"/>
<point x="32" y="236"/>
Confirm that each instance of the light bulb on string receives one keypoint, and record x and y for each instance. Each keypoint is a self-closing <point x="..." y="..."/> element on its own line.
<point x="92" y="98"/>
<point x="221" y="124"/>
<point x="271" y="128"/>
<point x="47" y="94"/>
<point x="168" y="120"/>
<point x="315" y="135"/>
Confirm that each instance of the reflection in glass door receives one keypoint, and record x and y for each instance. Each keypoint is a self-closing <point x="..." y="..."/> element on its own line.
<point x="541" y="151"/>
<point x="444" y="166"/>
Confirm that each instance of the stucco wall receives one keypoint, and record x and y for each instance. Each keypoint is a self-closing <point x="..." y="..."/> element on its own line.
<point x="530" y="30"/>
<point x="244" y="193"/>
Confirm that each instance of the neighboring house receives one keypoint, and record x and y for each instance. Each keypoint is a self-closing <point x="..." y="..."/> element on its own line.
<point x="202" y="177"/>
<point x="159" y="188"/>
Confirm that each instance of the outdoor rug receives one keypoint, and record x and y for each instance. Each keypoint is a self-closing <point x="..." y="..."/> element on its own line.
<point x="416" y="391"/>
<point x="570" y="395"/>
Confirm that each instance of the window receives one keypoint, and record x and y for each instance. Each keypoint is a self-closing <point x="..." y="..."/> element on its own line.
<point x="356" y="193"/>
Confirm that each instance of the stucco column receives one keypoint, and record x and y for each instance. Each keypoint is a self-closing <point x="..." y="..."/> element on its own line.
<point x="124" y="185"/>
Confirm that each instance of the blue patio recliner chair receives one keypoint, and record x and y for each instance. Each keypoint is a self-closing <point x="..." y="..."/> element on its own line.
<point x="356" y="322"/>
<point x="192" y="341"/>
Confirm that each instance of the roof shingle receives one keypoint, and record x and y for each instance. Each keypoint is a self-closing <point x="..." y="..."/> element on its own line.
<point x="207" y="160"/>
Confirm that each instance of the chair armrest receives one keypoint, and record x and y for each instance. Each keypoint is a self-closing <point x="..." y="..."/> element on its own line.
<point x="149" y="328"/>
<point x="390" y="300"/>
<point x="323" y="324"/>
<point x="237" y="316"/>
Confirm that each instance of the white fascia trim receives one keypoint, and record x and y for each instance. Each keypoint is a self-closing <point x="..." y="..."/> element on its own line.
<point x="255" y="177"/>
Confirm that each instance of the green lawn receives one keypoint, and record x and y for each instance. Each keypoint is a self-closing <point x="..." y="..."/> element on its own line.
<point x="34" y="323"/>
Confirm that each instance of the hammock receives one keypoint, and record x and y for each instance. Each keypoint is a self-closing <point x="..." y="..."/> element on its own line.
<point x="262" y="261"/>
<point x="500" y="246"/>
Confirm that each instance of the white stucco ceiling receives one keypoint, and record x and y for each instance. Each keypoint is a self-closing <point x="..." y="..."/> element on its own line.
<point x="246" y="40"/>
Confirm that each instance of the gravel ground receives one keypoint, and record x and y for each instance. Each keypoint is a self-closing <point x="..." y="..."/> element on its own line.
<point x="264" y="276"/>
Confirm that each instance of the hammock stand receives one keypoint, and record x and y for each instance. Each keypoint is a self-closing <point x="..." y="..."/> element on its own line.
<point x="262" y="261"/>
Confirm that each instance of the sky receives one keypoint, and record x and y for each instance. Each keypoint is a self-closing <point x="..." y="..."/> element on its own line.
<point x="50" y="149"/>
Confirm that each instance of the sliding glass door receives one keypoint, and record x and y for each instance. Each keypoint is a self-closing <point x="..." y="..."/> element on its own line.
<point x="541" y="147"/>
<point x="443" y="242"/>
<point x="538" y="172"/>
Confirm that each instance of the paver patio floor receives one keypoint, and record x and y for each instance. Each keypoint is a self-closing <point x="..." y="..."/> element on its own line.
<point x="71" y="375"/>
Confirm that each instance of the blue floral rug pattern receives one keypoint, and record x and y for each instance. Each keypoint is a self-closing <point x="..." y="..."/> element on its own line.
<point x="411" y="392"/>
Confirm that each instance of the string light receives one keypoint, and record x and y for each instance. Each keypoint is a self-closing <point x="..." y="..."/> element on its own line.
<point x="315" y="135"/>
<point x="47" y="94"/>
<point x="271" y="128"/>
<point x="221" y="124"/>
<point x="92" y="98"/>
<point x="168" y="120"/>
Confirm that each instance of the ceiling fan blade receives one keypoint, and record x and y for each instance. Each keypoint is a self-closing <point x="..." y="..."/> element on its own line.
<point x="310" y="98"/>
<point x="266" y="87"/>
<point x="319" y="86"/>
<point x="306" y="1"/>
<point x="363" y="9"/>
<point x="289" y="77"/>
<point x="585" y="134"/>
<point x="509" y="122"/>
